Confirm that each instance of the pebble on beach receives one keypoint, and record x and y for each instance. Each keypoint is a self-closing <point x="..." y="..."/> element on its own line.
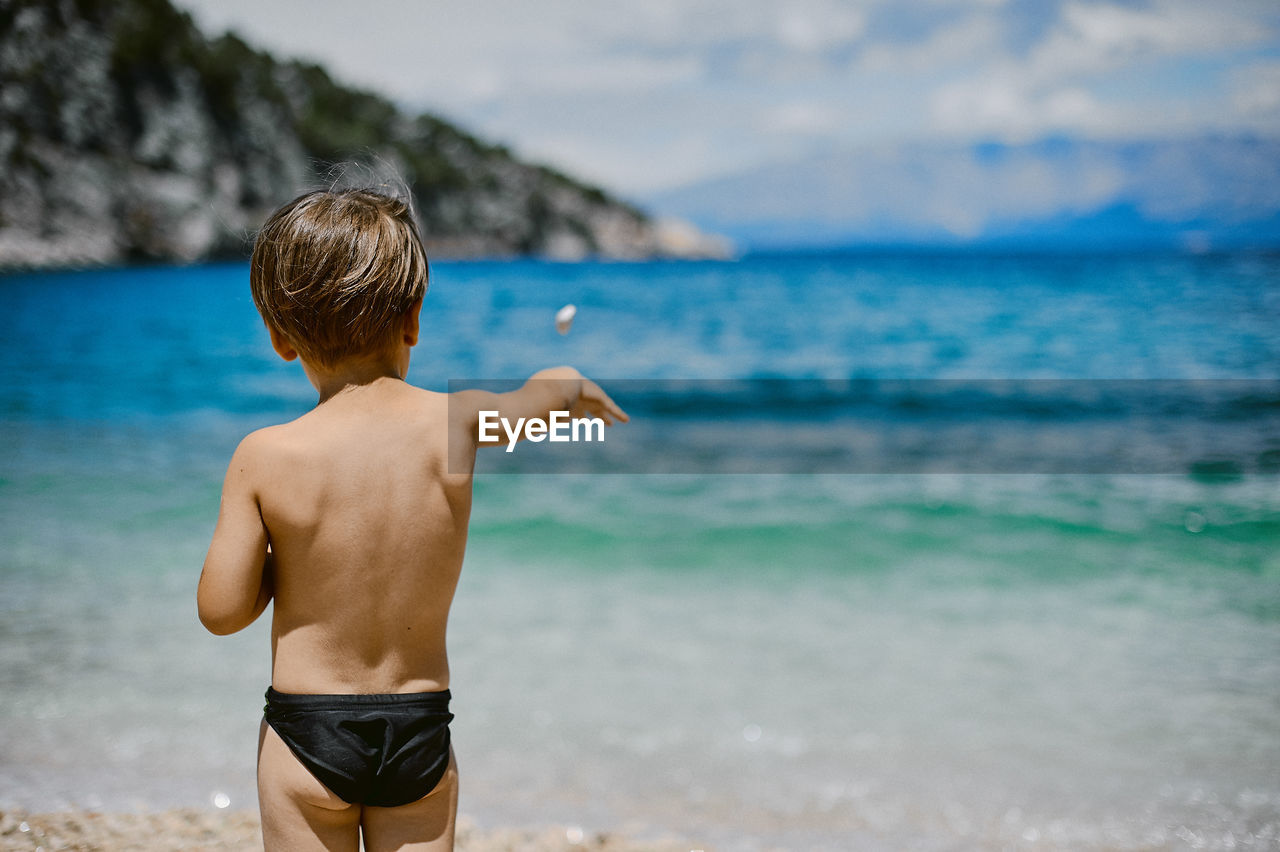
<point x="195" y="830"/>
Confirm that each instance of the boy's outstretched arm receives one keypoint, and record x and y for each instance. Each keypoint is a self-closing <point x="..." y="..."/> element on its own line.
<point x="555" y="389"/>
<point x="236" y="583"/>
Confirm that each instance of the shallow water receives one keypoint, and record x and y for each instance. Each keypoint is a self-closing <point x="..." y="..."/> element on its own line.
<point x="939" y="661"/>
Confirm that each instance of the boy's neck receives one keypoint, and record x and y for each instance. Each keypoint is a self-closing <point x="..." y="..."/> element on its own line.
<point x="350" y="375"/>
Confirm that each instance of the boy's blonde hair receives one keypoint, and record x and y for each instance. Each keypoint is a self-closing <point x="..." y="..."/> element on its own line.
<point x="335" y="270"/>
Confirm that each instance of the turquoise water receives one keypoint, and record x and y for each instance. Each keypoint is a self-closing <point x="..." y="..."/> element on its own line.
<point x="808" y="661"/>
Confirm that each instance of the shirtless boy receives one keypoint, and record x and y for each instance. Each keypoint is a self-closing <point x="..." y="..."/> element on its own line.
<point x="353" y="518"/>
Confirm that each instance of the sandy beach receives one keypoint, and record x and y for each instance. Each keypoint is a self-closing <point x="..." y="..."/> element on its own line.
<point x="194" y="830"/>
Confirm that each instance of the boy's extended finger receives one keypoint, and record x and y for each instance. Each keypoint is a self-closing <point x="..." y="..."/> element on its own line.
<point x="611" y="406"/>
<point x="616" y="410"/>
<point x="604" y="401"/>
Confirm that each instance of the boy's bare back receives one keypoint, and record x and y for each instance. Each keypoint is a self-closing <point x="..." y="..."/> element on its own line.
<point x="368" y="530"/>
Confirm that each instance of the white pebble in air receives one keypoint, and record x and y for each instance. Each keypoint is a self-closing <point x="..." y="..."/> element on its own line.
<point x="564" y="318"/>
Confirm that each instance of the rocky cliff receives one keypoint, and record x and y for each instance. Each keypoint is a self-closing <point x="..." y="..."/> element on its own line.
<point x="126" y="134"/>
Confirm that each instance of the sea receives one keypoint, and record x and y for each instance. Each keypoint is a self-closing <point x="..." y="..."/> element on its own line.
<point x="1066" y="646"/>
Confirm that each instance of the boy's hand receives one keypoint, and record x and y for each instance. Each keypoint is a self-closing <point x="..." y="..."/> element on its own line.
<point x="594" y="402"/>
<point x="555" y="389"/>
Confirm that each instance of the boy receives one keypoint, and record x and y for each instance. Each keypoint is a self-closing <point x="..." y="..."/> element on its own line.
<point x="353" y="518"/>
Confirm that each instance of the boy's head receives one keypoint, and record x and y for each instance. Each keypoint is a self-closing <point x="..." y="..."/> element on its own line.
<point x="335" y="273"/>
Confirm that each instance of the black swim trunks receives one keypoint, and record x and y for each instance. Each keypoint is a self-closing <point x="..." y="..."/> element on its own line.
<point x="380" y="750"/>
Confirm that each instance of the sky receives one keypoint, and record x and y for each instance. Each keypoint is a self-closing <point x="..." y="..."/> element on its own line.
<point x="647" y="97"/>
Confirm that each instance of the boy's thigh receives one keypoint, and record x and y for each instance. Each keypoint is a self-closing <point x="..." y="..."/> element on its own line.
<point x="298" y="812"/>
<point x="426" y="825"/>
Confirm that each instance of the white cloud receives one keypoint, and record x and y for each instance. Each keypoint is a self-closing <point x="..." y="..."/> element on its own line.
<point x="1009" y="107"/>
<point x="1171" y="26"/>
<point x="1071" y="107"/>
<point x="804" y="117"/>
<point x="813" y="27"/>
<point x="596" y="74"/>
<point x="973" y="41"/>
<point x="1255" y="91"/>
<point x="1097" y="38"/>
<point x="1072" y="80"/>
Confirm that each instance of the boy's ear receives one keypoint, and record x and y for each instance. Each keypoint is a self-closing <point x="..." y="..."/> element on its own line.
<point x="411" y="325"/>
<point x="281" y="344"/>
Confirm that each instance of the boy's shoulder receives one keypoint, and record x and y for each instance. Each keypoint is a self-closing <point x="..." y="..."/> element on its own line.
<point x="408" y="406"/>
<point x="263" y="447"/>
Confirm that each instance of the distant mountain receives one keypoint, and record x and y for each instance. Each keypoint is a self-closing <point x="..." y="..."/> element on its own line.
<point x="126" y="134"/>
<point x="1197" y="194"/>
